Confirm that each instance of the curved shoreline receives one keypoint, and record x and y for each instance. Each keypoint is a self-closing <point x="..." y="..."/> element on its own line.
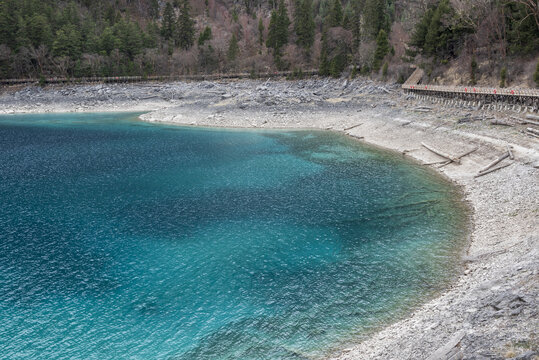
<point x="490" y="309"/>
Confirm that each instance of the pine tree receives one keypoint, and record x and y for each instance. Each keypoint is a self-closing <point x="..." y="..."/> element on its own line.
<point x="304" y="25"/>
<point x="8" y="24"/>
<point x="421" y="29"/>
<point x="278" y="29"/>
<point x="185" y="27"/>
<point x="374" y="15"/>
<point x="335" y="14"/>
<point x="108" y="41"/>
<point x="67" y="42"/>
<point x="204" y="36"/>
<point x="324" y="66"/>
<point x="261" y="31"/>
<point x="168" y="25"/>
<point x="153" y="10"/>
<point x="284" y="23"/>
<point x="437" y="34"/>
<point x="233" y="49"/>
<point x="536" y="75"/>
<point x="382" y="48"/>
<point x="356" y="23"/>
<point x="38" y="30"/>
<point x="473" y="71"/>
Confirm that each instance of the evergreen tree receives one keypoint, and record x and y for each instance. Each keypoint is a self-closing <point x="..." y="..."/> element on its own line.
<point x="8" y="24"/>
<point x="185" y="26"/>
<point x="382" y="48"/>
<point x="153" y="11"/>
<point x="261" y="32"/>
<point x="356" y="23"/>
<point x="473" y="71"/>
<point x="324" y="66"/>
<point x="503" y="76"/>
<point x="272" y="41"/>
<point x="437" y="34"/>
<point x="421" y="29"/>
<point x="204" y="36"/>
<point x="278" y="29"/>
<point x="348" y="17"/>
<point x="168" y="25"/>
<point x="374" y="15"/>
<point x="38" y="30"/>
<point x="233" y="49"/>
<point x="108" y="40"/>
<point x="304" y="23"/>
<point x="130" y="37"/>
<point x="67" y="42"/>
<point x="335" y="14"/>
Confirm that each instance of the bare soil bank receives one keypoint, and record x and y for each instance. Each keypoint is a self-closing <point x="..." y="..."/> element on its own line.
<point x="491" y="311"/>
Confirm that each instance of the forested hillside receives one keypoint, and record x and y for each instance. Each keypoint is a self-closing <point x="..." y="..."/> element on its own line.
<point x="380" y="38"/>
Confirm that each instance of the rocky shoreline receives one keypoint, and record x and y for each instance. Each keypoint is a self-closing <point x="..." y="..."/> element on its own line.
<point x="490" y="311"/>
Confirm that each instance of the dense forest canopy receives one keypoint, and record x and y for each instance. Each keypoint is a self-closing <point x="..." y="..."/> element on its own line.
<point x="79" y="38"/>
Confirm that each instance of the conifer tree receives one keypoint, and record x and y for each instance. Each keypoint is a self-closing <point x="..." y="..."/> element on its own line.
<point x="185" y="27"/>
<point x="233" y="48"/>
<point x="204" y="36"/>
<point x="278" y="29"/>
<point x="153" y="10"/>
<point x="382" y="48"/>
<point x="168" y="25"/>
<point x="324" y="66"/>
<point x="67" y="42"/>
<point x="335" y="14"/>
<point x="304" y="23"/>
<point x="356" y="23"/>
<point x="374" y="15"/>
<point x="536" y="75"/>
<point x="261" y="31"/>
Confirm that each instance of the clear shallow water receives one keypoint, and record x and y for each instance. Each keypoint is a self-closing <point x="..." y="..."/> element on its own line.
<point x="121" y="239"/>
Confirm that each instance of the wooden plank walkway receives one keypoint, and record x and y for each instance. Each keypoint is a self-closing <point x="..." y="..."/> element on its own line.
<point x="472" y="90"/>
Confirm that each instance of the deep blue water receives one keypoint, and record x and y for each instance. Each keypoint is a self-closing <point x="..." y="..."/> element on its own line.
<point x="126" y="240"/>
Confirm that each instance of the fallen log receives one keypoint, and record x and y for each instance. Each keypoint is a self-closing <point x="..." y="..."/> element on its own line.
<point x="501" y="158"/>
<point x="501" y="123"/>
<point x="525" y="121"/>
<point x="352" y="127"/>
<point x="532" y="117"/>
<point x="436" y="162"/>
<point x="458" y="157"/>
<point x="441" y="153"/>
<point x="492" y="170"/>
<point x="532" y="134"/>
<point x="533" y="131"/>
<point x="510" y="151"/>
<point x="467" y="153"/>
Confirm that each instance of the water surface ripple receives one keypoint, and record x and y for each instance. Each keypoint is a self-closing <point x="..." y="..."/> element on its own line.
<point x="126" y="240"/>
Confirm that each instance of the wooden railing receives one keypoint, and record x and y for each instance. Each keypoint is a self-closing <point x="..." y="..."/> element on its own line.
<point x="471" y="90"/>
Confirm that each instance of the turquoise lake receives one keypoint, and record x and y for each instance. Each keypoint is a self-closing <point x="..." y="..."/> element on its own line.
<point x="121" y="239"/>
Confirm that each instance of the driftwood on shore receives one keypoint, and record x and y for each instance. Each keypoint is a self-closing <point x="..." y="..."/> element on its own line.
<point x="498" y="160"/>
<point x="510" y="151"/>
<point x="441" y="153"/>
<point x="501" y="123"/>
<point x="352" y="127"/>
<point x="458" y="157"/>
<point x="528" y="120"/>
<point x="533" y="131"/>
<point x="492" y="170"/>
